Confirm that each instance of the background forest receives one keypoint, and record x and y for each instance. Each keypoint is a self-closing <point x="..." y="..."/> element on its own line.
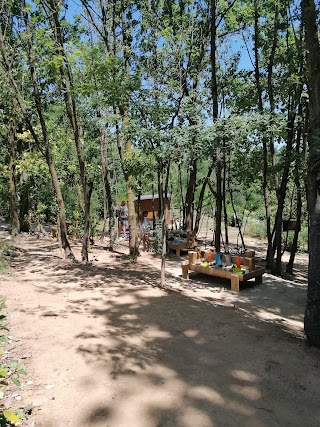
<point x="208" y="101"/>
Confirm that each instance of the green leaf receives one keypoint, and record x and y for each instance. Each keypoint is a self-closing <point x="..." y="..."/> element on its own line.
<point x="21" y="371"/>
<point x="21" y="415"/>
<point x="3" y="338"/>
<point x="1" y="351"/>
<point x="1" y="394"/>
<point x="3" y="372"/>
<point x="11" y="416"/>
<point x="13" y="364"/>
<point x="16" y="382"/>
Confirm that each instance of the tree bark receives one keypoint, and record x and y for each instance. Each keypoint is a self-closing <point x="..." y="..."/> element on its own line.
<point x="182" y="206"/>
<point x="15" y="224"/>
<point x="190" y="194"/>
<point x="282" y="191"/>
<point x="24" y="199"/>
<point x="201" y="198"/>
<point x="55" y="181"/>
<point x="265" y="185"/>
<point x="107" y="193"/>
<point x="215" y="112"/>
<point x="68" y="92"/>
<point x="312" y="313"/>
<point x="297" y="183"/>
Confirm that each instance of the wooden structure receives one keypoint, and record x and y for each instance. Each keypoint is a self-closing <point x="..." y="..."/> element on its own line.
<point x="289" y="225"/>
<point x="194" y="264"/>
<point x="149" y="201"/>
<point x="179" y="244"/>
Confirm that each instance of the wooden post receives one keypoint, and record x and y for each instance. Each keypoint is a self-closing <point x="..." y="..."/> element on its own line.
<point x="250" y="254"/>
<point x="206" y="255"/>
<point x="258" y="279"/>
<point x="252" y="264"/>
<point x="192" y="255"/>
<point x="54" y="232"/>
<point x="185" y="269"/>
<point x="190" y="239"/>
<point x="235" y="283"/>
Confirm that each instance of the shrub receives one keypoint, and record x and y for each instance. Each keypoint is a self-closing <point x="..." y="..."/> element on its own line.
<point x="302" y="240"/>
<point x="257" y="229"/>
<point x="10" y="371"/>
<point x="6" y="253"/>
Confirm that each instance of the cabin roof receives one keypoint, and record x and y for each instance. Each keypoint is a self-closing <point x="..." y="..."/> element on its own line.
<point x="150" y="196"/>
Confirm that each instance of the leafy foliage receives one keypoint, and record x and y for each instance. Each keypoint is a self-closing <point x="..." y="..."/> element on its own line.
<point x="10" y="372"/>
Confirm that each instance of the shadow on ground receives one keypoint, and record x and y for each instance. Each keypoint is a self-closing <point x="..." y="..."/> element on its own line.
<point x="177" y="358"/>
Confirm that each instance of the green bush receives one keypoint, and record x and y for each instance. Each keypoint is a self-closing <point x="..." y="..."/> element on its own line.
<point x="257" y="229"/>
<point x="6" y="253"/>
<point x="302" y="240"/>
<point x="10" y="371"/>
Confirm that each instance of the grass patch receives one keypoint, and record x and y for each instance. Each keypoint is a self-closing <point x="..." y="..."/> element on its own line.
<point x="256" y="229"/>
<point x="7" y="252"/>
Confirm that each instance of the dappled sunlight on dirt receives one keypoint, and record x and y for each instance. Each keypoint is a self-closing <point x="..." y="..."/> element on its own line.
<point x="119" y="351"/>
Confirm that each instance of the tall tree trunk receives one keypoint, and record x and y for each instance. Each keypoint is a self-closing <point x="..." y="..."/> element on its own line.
<point x="107" y="193"/>
<point x="182" y="205"/>
<point x="283" y="190"/>
<point x="163" y="199"/>
<point x="265" y="185"/>
<point x="275" y="267"/>
<point x="201" y="198"/>
<point x="190" y="194"/>
<point x="24" y="200"/>
<point x="312" y="313"/>
<point x="55" y="182"/>
<point x="132" y="217"/>
<point x="294" y="245"/>
<point x="15" y="224"/>
<point x="225" y="213"/>
<point x="68" y="92"/>
<point x="215" y="112"/>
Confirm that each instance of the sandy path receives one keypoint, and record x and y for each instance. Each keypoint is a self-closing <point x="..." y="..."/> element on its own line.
<point x="108" y="348"/>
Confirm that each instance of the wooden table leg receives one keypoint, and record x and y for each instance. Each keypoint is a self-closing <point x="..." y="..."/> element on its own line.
<point x="185" y="269"/>
<point x="258" y="279"/>
<point x="235" y="283"/>
<point x="178" y="251"/>
<point x="192" y="255"/>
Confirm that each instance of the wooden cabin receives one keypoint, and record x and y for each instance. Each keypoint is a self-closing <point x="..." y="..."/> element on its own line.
<point x="150" y="202"/>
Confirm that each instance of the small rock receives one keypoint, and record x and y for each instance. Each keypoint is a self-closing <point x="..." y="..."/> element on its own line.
<point x="48" y="386"/>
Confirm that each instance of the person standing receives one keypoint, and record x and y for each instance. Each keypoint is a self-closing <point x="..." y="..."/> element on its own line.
<point x="123" y="216"/>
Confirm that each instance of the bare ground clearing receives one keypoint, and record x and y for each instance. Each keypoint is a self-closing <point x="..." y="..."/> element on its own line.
<point x="107" y="347"/>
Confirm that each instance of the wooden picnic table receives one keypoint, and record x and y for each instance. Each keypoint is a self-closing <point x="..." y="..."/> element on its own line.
<point x="193" y="264"/>
<point x="178" y="244"/>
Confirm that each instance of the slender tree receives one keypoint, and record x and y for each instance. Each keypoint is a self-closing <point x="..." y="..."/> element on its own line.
<point x="312" y="314"/>
<point x="51" y="10"/>
<point x="20" y="103"/>
<point x="15" y="224"/>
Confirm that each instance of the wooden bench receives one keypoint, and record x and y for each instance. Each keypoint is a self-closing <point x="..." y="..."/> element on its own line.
<point x="179" y="244"/>
<point x="253" y="273"/>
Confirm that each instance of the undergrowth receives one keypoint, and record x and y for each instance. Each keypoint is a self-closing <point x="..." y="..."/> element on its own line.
<point x="6" y="253"/>
<point x="10" y="369"/>
<point x="10" y="372"/>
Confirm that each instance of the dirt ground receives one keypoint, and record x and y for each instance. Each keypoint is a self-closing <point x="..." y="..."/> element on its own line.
<point x="105" y="347"/>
